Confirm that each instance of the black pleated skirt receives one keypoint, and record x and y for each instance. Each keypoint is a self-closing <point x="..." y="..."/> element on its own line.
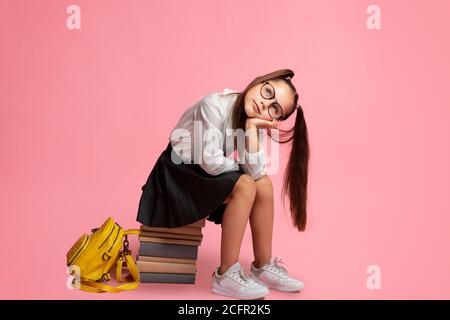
<point x="176" y="195"/>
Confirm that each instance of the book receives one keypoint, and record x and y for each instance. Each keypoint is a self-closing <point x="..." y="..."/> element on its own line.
<point x="199" y="223"/>
<point x="164" y="259"/>
<point x="169" y="241"/>
<point x="168" y="250"/>
<point x="181" y="230"/>
<point x="166" y="267"/>
<point x="153" y="277"/>
<point x="171" y="235"/>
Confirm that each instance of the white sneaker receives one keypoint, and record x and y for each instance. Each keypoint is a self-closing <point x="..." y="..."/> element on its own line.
<point x="274" y="276"/>
<point x="235" y="283"/>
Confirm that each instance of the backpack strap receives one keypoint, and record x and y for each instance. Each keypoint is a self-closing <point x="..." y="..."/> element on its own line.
<point x="133" y="278"/>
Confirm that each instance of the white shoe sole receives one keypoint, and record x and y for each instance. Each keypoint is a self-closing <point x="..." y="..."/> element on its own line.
<point x="224" y="292"/>
<point x="278" y="288"/>
<point x="284" y="289"/>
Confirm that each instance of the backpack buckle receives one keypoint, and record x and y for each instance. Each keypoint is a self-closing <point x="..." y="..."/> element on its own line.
<point x="126" y="244"/>
<point x="105" y="277"/>
<point x="106" y="256"/>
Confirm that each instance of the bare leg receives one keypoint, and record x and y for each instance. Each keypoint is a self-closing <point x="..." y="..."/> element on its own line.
<point x="261" y="221"/>
<point x="235" y="219"/>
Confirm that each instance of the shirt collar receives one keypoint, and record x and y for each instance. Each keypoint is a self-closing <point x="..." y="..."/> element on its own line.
<point x="227" y="91"/>
<point x="230" y="109"/>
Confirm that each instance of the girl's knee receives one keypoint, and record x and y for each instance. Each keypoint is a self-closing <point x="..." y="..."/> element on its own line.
<point x="264" y="187"/>
<point x="245" y="185"/>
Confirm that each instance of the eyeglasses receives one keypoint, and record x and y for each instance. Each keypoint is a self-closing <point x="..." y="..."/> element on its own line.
<point x="268" y="93"/>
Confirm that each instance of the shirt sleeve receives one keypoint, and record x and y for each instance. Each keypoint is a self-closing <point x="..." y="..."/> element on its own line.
<point x="214" y="161"/>
<point x="254" y="162"/>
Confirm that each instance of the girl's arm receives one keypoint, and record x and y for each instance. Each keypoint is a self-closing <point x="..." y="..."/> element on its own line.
<point x="214" y="161"/>
<point x="254" y="157"/>
<point x="251" y="140"/>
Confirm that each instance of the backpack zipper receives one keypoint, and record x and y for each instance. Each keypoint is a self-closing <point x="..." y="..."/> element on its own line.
<point x="112" y="229"/>
<point x="112" y="246"/>
<point x="79" y="251"/>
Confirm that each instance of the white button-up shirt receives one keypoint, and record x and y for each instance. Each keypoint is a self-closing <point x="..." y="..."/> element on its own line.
<point x="214" y="111"/>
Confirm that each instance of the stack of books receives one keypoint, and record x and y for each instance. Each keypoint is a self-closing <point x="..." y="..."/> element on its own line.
<point x="169" y="255"/>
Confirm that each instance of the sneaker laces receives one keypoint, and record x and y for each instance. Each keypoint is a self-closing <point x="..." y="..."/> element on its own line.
<point x="241" y="277"/>
<point x="277" y="267"/>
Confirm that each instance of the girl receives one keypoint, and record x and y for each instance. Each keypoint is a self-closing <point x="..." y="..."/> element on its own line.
<point x="194" y="178"/>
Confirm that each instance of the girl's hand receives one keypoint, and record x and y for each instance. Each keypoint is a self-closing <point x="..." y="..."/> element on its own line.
<point x="261" y="123"/>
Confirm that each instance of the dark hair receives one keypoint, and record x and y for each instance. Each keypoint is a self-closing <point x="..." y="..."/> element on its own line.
<point x="296" y="174"/>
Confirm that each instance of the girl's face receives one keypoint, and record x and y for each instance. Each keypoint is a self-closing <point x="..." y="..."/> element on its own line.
<point x="274" y="93"/>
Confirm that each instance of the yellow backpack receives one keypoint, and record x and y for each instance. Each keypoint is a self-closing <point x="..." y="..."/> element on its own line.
<point x="91" y="258"/>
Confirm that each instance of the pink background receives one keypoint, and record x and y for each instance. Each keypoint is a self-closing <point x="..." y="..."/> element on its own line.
<point x="85" y="114"/>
